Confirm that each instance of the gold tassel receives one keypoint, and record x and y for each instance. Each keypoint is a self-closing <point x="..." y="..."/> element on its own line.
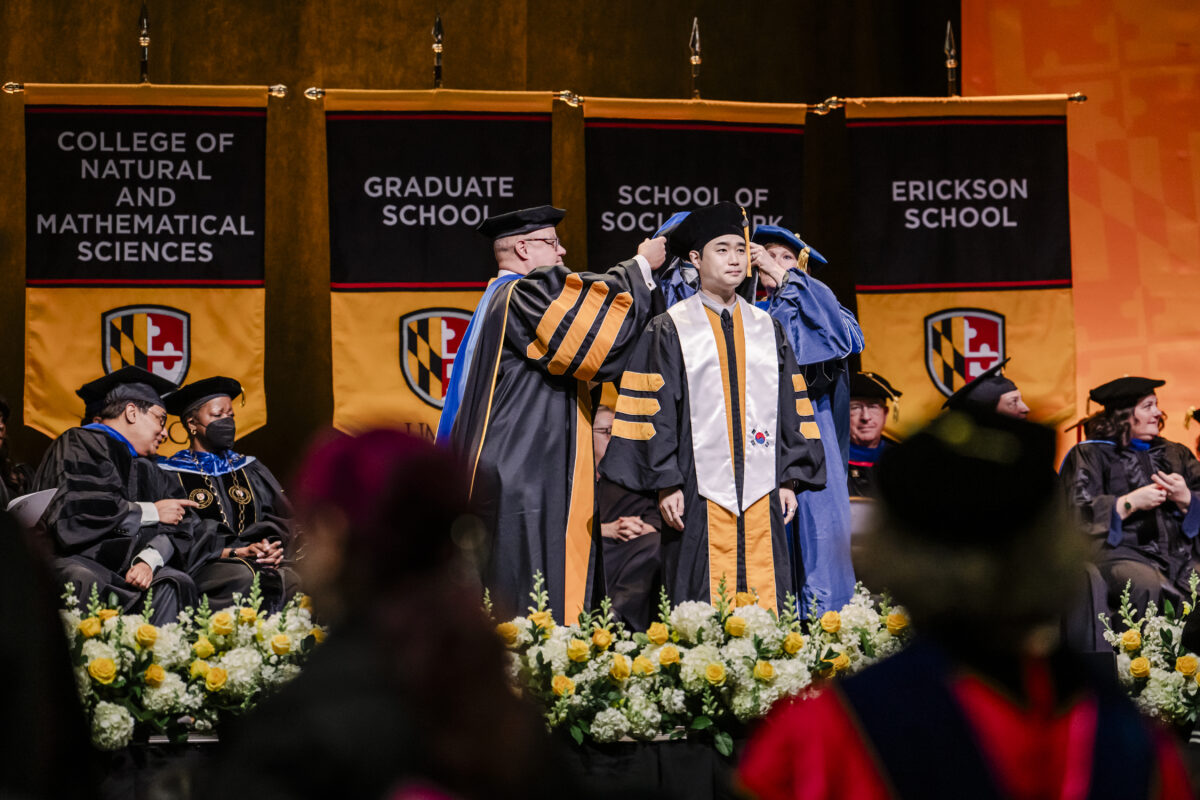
<point x="746" y="233"/>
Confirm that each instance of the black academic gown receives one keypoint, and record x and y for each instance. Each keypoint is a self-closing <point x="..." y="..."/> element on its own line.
<point x="266" y="515"/>
<point x="860" y="473"/>
<point x="92" y="521"/>
<point x="633" y="568"/>
<point x="524" y="425"/>
<point x="1095" y="473"/>
<point x="665" y="460"/>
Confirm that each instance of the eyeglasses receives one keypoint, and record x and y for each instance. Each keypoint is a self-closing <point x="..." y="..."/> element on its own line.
<point x="162" y="421"/>
<point x="553" y="242"/>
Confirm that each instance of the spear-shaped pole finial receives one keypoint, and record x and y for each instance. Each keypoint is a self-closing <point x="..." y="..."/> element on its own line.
<point x="144" y="42"/>
<point x="951" y="62"/>
<point x="694" y="45"/>
<point x="438" y="37"/>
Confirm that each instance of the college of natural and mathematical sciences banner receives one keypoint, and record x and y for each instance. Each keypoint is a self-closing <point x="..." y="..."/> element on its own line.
<point x="411" y="175"/>
<point x="647" y="159"/>
<point x="962" y="241"/>
<point x="144" y="240"/>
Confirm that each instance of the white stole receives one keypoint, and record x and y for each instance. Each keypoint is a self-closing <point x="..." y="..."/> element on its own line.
<point x="706" y="401"/>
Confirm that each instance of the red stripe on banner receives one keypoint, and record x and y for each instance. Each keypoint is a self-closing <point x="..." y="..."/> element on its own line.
<point x="916" y="287"/>
<point x="927" y="122"/>
<point x="337" y="115"/>
<point x="412" y="285"/>
<point x="694" y="126"/>
<point x="85" y="282"/>
<point x="175" y="112"/>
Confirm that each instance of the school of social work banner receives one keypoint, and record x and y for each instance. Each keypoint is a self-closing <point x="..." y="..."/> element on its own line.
<point x="411" y="175"/>
<point x="144" y="240"/>
<point x="962" y="241"/>
<point x="647" y="159"/>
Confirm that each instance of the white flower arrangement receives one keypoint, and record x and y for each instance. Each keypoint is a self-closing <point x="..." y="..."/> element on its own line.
<point x="136" y="678"/>
<point x="700" y="670"/>
<point x="1160" y="675"/>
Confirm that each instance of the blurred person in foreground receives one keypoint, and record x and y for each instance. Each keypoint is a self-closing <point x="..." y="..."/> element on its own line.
<point x="410" y="693"/>
<point x="985" y="703"/>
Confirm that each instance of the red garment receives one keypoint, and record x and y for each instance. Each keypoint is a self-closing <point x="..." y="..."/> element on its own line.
<point x="812" y="749"/>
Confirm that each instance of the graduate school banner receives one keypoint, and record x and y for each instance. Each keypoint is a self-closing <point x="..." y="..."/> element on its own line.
<point x="144" y="240"/>
<point x="962" y="244"/>
<point x="411" y="175"/>
<point x="647" y="159"/>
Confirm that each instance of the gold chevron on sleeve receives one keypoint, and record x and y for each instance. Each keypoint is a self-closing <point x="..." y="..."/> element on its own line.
<point x="585" y="317"/>
<point x="638" y="431"/>
<point x="809" y="430"/>
<point x="804" y="407"/>
<point x="641" y="381"/>
<point x="636" y="406"/>
<point x="602" y="344"/>
<point x="553" y="317"/>
<point x="798" y="383"/>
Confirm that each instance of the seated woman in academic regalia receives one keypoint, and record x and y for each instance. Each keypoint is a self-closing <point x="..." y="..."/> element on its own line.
<point x="1134" y="493"/>
<point x="241" y="504"/>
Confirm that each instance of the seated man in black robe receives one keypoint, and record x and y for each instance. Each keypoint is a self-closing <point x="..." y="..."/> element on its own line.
<point x="870" y="395"/>
<point x="115" y="521"/>
<point x="991" y="391"/>
<point x="239" y="502"/>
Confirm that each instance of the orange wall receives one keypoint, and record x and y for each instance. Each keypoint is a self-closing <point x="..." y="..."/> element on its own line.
<point x="1134" y="172"/>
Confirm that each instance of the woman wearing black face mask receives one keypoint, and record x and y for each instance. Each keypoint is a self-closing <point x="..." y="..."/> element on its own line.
<point x="242" y="506"/>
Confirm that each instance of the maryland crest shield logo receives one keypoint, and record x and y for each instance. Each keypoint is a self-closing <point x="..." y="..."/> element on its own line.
<point x="155" y="338"/>
<point x="429" y="341"/>
<point x="960" y="343"/>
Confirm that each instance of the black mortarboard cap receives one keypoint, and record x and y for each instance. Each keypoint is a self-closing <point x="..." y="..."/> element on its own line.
<point x="1124" y="392"/>
<point x="984" y="391"/>
<point x="872" y="386"/>
<point x="197" y="392"/>
<point x="127" y="383"/>
<point x="703" y="225"/>
<point x="970" y="478"/>
<point x="514" y="223"/>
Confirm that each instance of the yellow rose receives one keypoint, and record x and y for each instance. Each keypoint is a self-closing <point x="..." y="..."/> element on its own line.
<point x="203" y="647"/>
<point x="562" y="685"/>
<point x="280" y="644"/>
<point x="764" y="671"/>
<point x="1197" y="678"/>
<point x="146" y="635"/>
<point x="745" y="599"/>
<point x="714" y="673"/>
<point x="792" y="643"/>
<point x="199" y="668"/>
<point x="831" y="622"/>
<point x="735" y="626"/>
<point x="896" y="622"/>
<point x="578" y="650"/>
<point x="643" y="666"/>
<point x="840" y="662"/>
<point x="221" y="623"/>
<point x="602" y="638"/>
<point x="214" y="679"/>
<point x="1140" y="667"/>
<point x="658" y="633"/>
<point x="317" y="633"/>
<point x="509" y="633"/>
<point x="106" y="614"/>
<point x="305" y="602"/>
<point x="103" y="670"/>
<point x="620" y="667"/>
<point x="543" y="619"/>
<point x="90" y="627"/>
<point x="1186" y="665"/>
<point x="154" y="675"/>
<point x="1131" y="641"/>
<point x="668" y="655"/>
<point x="247" y="615"/>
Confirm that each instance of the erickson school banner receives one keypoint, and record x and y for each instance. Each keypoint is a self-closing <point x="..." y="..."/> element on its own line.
<point x="411" y="175"/>
<point x="144" y="240"/>
<point x="962" y="247"/>
<point x="647" y="159"/>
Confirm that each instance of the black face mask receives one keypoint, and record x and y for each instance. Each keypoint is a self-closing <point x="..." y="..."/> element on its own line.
<point x="220" y="433"/>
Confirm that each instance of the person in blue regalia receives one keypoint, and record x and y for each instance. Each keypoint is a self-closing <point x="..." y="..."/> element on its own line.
<point x="243" y="510"/>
